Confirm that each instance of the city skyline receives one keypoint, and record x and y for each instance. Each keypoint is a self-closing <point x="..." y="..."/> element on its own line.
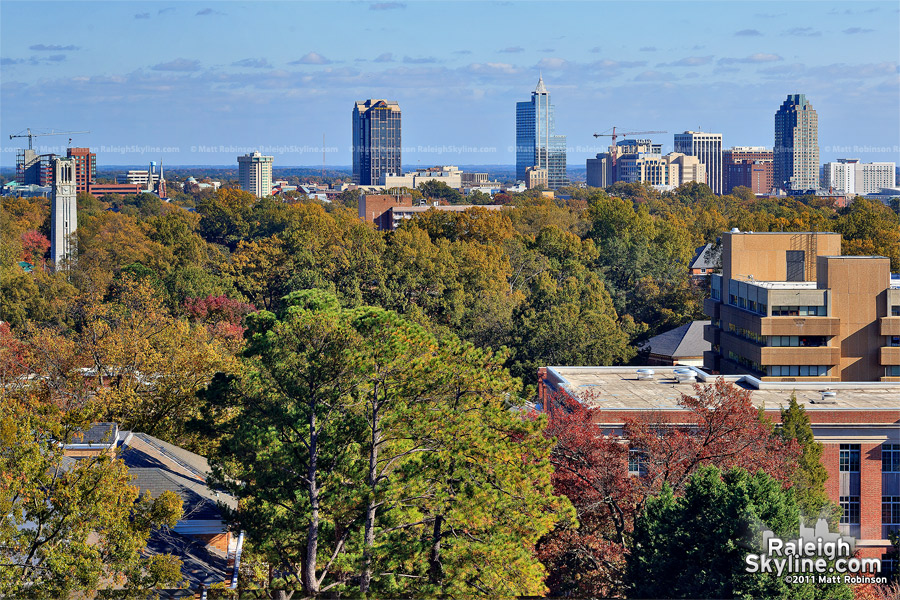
<point x="457" y="90"/>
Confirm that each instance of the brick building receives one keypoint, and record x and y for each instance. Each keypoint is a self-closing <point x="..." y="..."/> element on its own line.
<point x="749" y="166"/>
<point x="858" y="425"/>
<point x="85" y="167"/>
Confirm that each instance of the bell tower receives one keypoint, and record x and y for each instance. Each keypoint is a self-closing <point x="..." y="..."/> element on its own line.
<point x="63" y="212"/>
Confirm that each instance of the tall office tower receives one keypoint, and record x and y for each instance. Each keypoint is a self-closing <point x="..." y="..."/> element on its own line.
<point x="85" y="167"/>
<point x="708" y="148"/>
<point x="376" y="140"/>
<point x="63" y="211"/>
<point x="796" y="145"/>
<point x="536" y="145"/>
<point x="255" y="174"/>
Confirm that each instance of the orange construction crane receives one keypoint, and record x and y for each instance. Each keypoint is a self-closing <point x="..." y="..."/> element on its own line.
<point x="615" y="135"/>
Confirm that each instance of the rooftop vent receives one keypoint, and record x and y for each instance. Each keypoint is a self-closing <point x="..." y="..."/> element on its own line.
<point x="643" y="374"/>
<point x="685" y="375"/>
<point x="828" y="398"/>
<point x="735" y="230"/>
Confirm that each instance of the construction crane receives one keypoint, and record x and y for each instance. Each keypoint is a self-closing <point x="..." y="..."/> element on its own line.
<point x="30" y="135"/>
<point x="615" y="135"/>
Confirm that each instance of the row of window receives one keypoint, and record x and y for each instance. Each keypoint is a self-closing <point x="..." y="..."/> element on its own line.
<point x="752" y="305"/>
<point x="744" y="361"/>
<point x="799" y="311"/>
<point x="802" y="341"/>
<point x="746" y="334"/>
<point x="797" y="370"/>
<point x="848" y="459"/>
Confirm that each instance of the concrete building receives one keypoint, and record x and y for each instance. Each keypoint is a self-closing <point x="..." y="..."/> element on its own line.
<point x="851" y="176"/>
<point x="535" y="177"/>
<point x="449" y="175"/>
<point x="473" y="179"/>
<point x="796" y="151"/>
<point x="600" y="171"/>
<point x="708" y="148"/>
<point x="748" y="166"/>
<point x="63" y="212"/>
<point x="376" y="140"/>
<point x="789" y="307"/>
<point x="255" y="174"/>
<point x="394" y="216"/>
<point x="85" y="167"/>
<point x="33" y="168"/>
<point x="536" y="144"/>
<point x="857" y="424"/>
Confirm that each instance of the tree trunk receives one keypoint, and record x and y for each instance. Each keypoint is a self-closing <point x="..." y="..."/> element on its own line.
<point x="435" y="569"/>
<point x="312" y="537"/>
<point x="369" y="542"/>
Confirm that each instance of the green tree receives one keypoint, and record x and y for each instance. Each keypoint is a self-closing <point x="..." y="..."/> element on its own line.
<point x="409" y="474"/>
<point x="810" y="475"/>
<point x="694" y="546"/>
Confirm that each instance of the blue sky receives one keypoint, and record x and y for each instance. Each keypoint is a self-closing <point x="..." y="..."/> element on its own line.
<point x="177" y="80"/>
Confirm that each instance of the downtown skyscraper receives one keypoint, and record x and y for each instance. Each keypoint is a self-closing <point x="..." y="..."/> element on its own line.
<point x="708" y="148"/>
<point x="536" y="145"/>
<point x="376" y="140"/>
<point x="796" y="145"/>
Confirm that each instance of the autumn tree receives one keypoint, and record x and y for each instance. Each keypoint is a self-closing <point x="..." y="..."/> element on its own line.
<point x="609" y="478"/>
<point x="73" y="527"/>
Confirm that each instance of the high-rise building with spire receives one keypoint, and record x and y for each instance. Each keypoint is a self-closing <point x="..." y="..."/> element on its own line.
<point x="796" y="145"/>
<point x="536" y="145"/>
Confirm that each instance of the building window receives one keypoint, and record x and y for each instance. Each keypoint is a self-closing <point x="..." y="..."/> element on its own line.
<point x="890" y="515"/>
<point x="849" y="459"/>
<point x="890" y="458"/>
<point x="889" y="564"/>
<point x="797" y="370"/>
<point x="892" y="371"/>
<point x="894" y="340"/>
<point x="637" y="462"/>
<point x="895" y="311"/>
<point x="850" y="507"/>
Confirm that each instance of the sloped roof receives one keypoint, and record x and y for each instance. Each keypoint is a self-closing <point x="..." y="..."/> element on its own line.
<point x="704" y="259"/>
<point x="157" y="466"/>
<point x="99" y="433"/>
<point x="200" y="563"/>
<point x="685" y="341"/>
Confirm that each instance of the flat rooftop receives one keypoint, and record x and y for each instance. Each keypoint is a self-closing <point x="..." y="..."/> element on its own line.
<point x="777" y="285"/>
<point x="618" y="388"/>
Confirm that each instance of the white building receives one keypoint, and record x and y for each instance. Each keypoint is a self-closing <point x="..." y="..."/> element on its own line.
<point x="708" y="148"/>
<point x="255" y="174"/>
<point x="850" y="176"/>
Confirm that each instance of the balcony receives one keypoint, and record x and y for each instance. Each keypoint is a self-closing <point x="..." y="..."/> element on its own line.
<point x="780" y="355"/>
<point x="799" y="326"/>
<point x="890" y="355"/>
<point x="890" y="325"/>
<point x="711" y="334"/>
<point x="711" y="308"/>
<point x="805" y="355"/>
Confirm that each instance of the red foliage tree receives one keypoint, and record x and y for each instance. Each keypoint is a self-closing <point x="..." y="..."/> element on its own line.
<point x="223" y="314"/>
<point x="34" y="246"/>
<point x="718" y="426"/>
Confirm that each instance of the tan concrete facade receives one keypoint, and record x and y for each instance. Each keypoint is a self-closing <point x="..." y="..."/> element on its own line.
<point x="789" y="307"/>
